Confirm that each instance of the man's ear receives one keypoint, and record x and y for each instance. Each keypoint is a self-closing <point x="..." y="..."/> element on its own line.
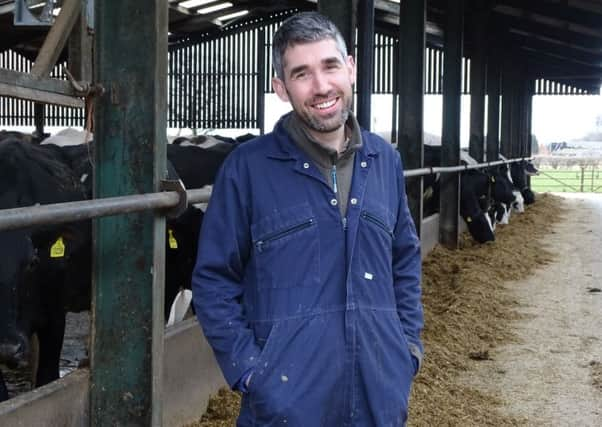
<point x="280" y="89"/>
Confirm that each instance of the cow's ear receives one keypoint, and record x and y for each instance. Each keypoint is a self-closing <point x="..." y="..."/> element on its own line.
<point x="280" y="89"/>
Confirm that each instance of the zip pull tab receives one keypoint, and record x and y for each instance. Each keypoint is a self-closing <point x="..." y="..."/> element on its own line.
<point x="333" y="174"/>
<point x="344" y="223"/>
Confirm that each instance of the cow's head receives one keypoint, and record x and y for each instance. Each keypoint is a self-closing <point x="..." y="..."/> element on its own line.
<point x="480" y="227"/>
<point x="519" y="203"/>
<point x="501" y="190"/>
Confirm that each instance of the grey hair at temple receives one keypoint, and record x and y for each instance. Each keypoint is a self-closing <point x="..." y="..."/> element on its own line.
<point x="304" y="27"/>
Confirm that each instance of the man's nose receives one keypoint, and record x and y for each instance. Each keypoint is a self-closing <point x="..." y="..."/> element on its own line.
<point x="321" y="83"/>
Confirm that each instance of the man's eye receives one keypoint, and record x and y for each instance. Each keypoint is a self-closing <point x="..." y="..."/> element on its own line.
<point x="300" y="76"/>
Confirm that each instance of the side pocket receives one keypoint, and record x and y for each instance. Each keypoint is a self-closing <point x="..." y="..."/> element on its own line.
<point x="263" y="361"/>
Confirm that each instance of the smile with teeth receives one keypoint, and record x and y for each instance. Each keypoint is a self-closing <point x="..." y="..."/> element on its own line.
<point x="325" y="104"/>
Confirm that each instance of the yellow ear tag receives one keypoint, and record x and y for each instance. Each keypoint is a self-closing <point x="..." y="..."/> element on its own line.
<point x="57" y="250"/>
<point x="173" y="243"/>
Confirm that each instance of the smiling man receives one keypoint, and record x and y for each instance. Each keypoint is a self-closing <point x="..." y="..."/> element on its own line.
<point x="307" y="281"/>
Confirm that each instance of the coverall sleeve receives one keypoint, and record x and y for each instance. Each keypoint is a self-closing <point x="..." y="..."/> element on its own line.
<point x="407" y="270"/>
<point x="217" y="280"/>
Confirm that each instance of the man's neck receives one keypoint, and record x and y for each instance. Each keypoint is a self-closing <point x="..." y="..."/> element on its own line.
<point x="334" y="140"/>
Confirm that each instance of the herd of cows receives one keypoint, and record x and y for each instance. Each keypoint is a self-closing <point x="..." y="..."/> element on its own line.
<point x="487" y="196"/>
<point x="45" y="271"/>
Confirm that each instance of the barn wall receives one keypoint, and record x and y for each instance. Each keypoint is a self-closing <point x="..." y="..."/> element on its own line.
<point x="190" y="376"/>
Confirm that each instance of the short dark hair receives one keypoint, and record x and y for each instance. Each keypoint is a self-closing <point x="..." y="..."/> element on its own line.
<point x="304" y="27"/>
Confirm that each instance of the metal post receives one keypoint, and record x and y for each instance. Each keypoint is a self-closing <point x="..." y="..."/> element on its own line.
<point x="412" y="25"/>
<point x="506" y="125"/>
<point x="128" y="273"/>
<point x="528" y="125"/>
<point x="493" y="107"/>
<point x="38" y="117"/>
<point x="365" y="62"/>
<point x="261" y="71"/>
<point x="478" y="72"/>
<point x="449" y="208"/>
<point x="344" y="14"/>
<point x="395" y="97"/>
<point x="516" y="114"/>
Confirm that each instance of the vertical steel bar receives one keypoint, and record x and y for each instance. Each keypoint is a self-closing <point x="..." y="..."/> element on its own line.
<point x="214" y="84"/>
<point x="223" y="106"/>
<point x="246" y="89"/>
<point x="261" y="72"/>
<point x="395" y="98"/>
<point x="129" y="250"/>
<point x="506" y="120"/>
<point x="412" y="38"/>
<point x="478" y="76"/>
<point x="39" y="117"/>
<point x="365" y="66"/>
<point x="450" y="134"/>
<point x="229" y="81"/>
<point x="493" y="106"/>
<point x="344" y="14"/>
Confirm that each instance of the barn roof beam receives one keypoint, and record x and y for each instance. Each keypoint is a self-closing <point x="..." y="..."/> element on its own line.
<point x="537" y="29"/>
<point x="554" y="48"/>
<point x="552" y="62"/>
<point x="36" y="86"/>
<point x="570" y="12"/>
<point x="57" y="38"/>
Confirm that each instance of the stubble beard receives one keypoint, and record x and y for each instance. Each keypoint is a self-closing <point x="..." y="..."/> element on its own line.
<point x="327" y="125"/>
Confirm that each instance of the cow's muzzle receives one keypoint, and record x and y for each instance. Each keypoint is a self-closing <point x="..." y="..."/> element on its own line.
<point x="15" y="352"/>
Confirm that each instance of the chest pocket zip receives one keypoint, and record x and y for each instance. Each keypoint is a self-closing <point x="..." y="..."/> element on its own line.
<point x="260" y="243"/>
<point x="375" y="220"/>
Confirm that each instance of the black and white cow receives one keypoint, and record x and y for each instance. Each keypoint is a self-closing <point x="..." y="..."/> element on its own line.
<point x="502" y="194"/>
<point x="32" y="174"/>
<point x="518" y="173"/>
<point x="59" y="280"/>
<point x="474" y="195"/>
<point x="474" y="205"/>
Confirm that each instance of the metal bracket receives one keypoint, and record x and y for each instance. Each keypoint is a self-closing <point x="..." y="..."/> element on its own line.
<point x="178" y="186"/>
<point x="84" y="89"/>
<point x="23" y="17"/>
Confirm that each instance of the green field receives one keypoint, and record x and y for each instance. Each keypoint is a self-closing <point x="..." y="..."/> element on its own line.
<point x="571" y="180"/>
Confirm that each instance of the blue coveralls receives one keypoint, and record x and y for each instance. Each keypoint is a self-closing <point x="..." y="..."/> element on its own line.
<point x="322" y="309"/>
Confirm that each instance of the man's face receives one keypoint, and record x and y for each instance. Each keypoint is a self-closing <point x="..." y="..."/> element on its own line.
<point x="318" y="84"/>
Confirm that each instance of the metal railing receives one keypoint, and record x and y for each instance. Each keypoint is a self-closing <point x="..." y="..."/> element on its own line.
<point x="59" y="213"/>
<point x="582" y="180"/>
<point x="459" y="168"/>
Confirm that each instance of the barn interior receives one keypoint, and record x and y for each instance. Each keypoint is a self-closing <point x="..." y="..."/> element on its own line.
<point x="213" y="59"/>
